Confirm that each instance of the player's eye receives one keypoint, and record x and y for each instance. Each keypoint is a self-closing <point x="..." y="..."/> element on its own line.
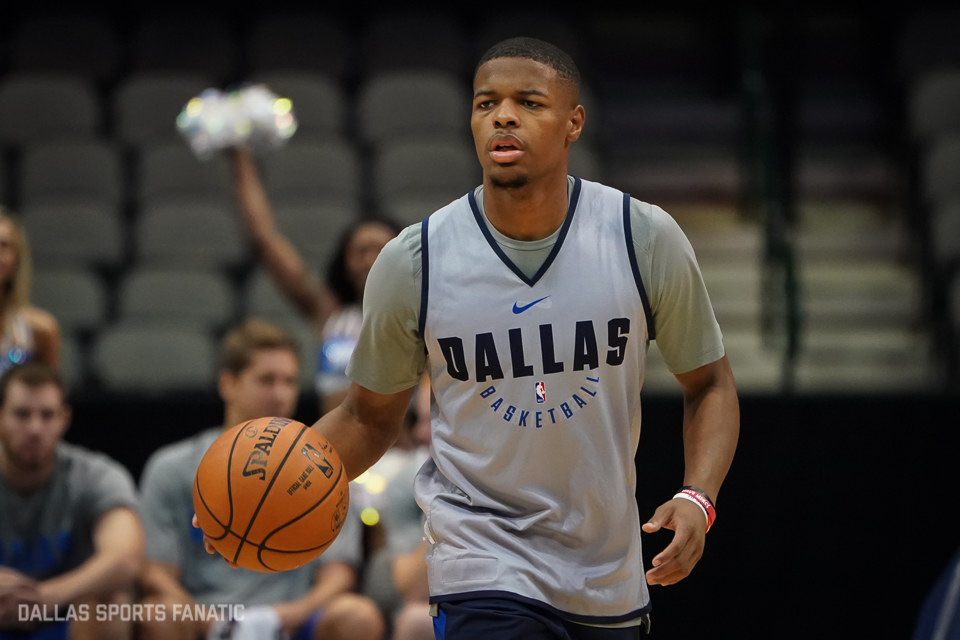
<point x="530" y="103"/>
<point x="486" y="104"/>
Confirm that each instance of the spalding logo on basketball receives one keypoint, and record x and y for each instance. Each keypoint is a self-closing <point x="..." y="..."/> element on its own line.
<point x="271" y="494"/>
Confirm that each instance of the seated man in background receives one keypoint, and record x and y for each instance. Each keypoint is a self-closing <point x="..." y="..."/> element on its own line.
<point x="70" y="537"/>
<point x="259" y="377"/>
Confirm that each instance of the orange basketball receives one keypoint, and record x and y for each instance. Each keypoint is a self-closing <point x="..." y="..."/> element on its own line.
<point x="271" y="494"/>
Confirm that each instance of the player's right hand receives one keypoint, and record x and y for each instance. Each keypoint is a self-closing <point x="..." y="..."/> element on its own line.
<point x="209" y="545"/>
<point x="675" y="563"/>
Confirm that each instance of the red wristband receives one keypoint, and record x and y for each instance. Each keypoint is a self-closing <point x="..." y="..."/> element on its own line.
<point x="704" y="502"/>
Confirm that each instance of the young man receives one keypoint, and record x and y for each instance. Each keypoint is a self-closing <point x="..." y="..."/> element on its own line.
<point x="70" y="537"/>
<point x="258" y="378"/>
<point x="531" y="301"/>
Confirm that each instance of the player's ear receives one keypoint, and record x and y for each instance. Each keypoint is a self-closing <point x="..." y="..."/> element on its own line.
<point x="575" y="124"/>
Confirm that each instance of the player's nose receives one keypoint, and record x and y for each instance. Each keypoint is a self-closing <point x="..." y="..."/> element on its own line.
<point x="506" y="115"/>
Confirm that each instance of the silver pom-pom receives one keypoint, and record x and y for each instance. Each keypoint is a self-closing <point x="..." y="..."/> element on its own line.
<point x="253" y="116"/>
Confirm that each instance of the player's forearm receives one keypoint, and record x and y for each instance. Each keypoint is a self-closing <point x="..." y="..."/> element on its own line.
<point x="359" y="445"/>
<point x="711" y="428"/>
<point x="364" y="426"/>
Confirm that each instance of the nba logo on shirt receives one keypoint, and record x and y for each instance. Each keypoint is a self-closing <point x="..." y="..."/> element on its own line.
<point x="541" y="392"/>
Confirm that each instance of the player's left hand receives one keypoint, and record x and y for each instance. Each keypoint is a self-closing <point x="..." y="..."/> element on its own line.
<point x="675" y="563"/>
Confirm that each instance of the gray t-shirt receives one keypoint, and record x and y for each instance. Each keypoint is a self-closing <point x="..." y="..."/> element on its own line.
<point x="167" y="487"/>
<point x="50" y="531"/>
<point x="390" y="355"/>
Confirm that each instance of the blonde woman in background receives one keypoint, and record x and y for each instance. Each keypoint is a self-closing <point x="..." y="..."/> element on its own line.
<point x="26" y="332"/>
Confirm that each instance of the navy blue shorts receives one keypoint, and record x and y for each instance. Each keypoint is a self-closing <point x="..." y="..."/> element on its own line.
<point x="504" y="619"/>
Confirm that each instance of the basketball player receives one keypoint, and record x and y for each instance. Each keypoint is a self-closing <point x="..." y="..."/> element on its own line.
<point x="258" y="378"/>
<point x="70" y="537"/>
<point x="531" y="300"/>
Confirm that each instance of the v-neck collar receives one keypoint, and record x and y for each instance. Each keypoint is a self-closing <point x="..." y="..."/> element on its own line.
<point x="571" y="209"/>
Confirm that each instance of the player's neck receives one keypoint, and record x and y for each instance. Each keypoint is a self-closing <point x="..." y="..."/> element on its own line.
<point x="531" y="212"/>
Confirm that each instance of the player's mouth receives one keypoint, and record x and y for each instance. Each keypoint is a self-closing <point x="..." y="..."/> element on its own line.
<point x="505" y="149"/>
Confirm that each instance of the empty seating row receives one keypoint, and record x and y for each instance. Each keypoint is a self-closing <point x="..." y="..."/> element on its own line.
<point x="165" y="337"/>
<point x="196" y="298"/>
<point x="70" y="179"/>
<point x="91" y="46"/>
<point x="144" y="107"/>
<point x="186" y="234"/>
<point x="156" y="357"/>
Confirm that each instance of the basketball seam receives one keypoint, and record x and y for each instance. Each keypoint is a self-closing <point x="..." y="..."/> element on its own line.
<point x="226" y="527"/>
<point x="288" y="523"/>
<point x="274" y="550"/>
<point x="263" y="498"/>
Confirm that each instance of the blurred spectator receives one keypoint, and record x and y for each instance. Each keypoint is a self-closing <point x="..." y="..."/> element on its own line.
<point x="334" y="309"/>
<point x="70" y="536"/>
<point x="28" y="333"/>
<point x="258" y="378"/>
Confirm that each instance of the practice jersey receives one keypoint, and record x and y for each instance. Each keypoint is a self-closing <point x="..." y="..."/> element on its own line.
<point x="530" y="490"/>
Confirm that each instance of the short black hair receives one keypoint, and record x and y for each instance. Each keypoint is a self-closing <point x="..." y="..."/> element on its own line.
<point x="537" y="50"/>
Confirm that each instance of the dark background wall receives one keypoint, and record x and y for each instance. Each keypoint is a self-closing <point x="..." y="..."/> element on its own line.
<point x="834" y="522"/>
